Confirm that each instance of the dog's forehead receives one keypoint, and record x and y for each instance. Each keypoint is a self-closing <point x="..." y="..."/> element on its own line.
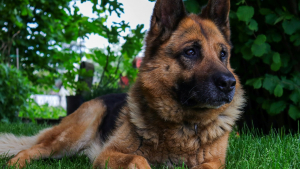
<point x="195" y="28"/>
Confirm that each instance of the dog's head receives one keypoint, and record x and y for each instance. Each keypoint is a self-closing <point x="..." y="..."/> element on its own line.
<point x="187" y="56"/>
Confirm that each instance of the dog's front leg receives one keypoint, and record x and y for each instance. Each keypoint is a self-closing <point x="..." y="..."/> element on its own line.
<point x="113" y="159"/>
<point x="212" y="156"/>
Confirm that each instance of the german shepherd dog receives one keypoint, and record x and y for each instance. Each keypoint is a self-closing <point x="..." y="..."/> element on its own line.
<point x="181" y="108"/>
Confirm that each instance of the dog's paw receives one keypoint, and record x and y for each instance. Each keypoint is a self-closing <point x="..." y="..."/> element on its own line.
<point x="16" y="162"/>
<point x="208" y="166"/>
<point x="139" y="162"/>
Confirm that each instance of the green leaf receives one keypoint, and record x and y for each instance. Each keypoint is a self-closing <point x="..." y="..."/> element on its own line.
<point x="259" y="47"/>
<point x="278" y="91"/>
<point x="241" y="2"/>
<point x="291" y="26"/>
<point x="19" y="24"/>
<point x="270" y="82"/>
<point x="260" y="39"/>
<point x="295" y="38"/>
<point x="271" y="18"/>
<point x="287" y="84"/>
<point x="294" y="112"/>
<point x="276" y="58"/>
<point x="247" y="54"/>
<point x="253" y="25"/>
<point x="259" y="50"/>
<point x="278" y="20"/>
<point x="24" y="11"/>
<point x="250" y="81"/>
<point x="275" y="66"/>
<point x="256" y="83"/>
<point x="277" y="107"/>
<point x="245" y="13"/>
<point x="295" y="97"/>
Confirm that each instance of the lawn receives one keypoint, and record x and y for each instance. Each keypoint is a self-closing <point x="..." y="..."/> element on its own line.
<point x="248" y="150"/>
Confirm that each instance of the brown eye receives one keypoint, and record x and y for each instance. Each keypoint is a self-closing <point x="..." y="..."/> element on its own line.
<point x="190" y="53"/>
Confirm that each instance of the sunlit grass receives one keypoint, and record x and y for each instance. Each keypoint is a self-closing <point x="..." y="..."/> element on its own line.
<point x="249" y="150"/>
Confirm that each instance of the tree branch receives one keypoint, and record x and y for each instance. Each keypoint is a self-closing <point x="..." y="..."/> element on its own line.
<point x="104" y="70"/>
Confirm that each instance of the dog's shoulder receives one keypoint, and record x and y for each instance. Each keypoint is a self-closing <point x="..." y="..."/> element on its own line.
<point x="114" y="103"/>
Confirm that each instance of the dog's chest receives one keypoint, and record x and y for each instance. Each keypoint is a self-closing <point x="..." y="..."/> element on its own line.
<point x="173" y="147"/>
<point x="183" y="139"/>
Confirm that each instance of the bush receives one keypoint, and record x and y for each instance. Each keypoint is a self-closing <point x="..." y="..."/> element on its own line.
<point x="35" y="111"/>
<point x="14" y="91"/>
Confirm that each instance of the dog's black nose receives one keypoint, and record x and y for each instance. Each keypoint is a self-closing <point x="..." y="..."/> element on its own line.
<point x="225" y="82"/>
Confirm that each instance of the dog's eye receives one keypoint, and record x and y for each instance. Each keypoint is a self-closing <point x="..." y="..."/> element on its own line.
<point x="223" y="54"/>
<point x="190" y="53"/>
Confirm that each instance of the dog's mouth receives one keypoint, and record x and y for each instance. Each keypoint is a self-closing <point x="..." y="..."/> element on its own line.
<point x="214" y="104"/>
<point x="209" y="102"/>
<point x="212" y="92"/>
<point x="204" y="96"/>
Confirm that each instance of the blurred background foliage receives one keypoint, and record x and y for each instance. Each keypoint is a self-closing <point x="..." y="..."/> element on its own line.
<point x="48" y="36"/>
<point x="266" y="40"/>
<point x="15" y="89"/>
<point x="265" y="36"/>
<point x="40" y="29"/>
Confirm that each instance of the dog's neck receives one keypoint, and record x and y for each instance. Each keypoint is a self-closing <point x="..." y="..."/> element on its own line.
<point x="173" y="117"/>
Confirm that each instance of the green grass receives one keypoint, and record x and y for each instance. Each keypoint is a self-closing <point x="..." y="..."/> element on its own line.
<point x="273" y="151"/>
<point x="249" y="150"/>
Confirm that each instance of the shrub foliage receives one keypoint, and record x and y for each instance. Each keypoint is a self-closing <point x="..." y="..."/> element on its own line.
<point x="14" y="91"/>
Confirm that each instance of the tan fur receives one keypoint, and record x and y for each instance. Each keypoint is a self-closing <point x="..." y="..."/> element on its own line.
<point x="154" y="128"/>
<point x="12" y="145"/>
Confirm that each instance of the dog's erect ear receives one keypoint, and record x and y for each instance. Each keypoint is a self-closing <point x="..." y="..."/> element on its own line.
<point x="166" y="16"/>
<point x="218" y="12"/>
